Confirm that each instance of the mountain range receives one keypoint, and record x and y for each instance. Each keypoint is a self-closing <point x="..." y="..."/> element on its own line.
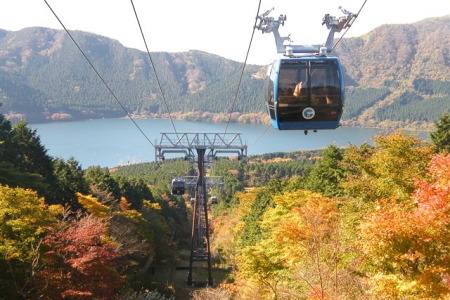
<point x="396" y="75"/>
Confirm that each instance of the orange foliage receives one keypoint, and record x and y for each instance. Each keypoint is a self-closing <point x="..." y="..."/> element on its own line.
<point x="124" y="205"/>
<point x="411" y="247"/>
<point x="81" y="261"/>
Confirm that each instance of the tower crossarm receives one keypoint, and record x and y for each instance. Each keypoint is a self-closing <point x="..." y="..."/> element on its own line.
<point x="186" y="143"/>
<point x="211" y="181"/>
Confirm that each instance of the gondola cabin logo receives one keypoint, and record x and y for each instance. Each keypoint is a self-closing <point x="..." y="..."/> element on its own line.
<point x="308" y="113"/>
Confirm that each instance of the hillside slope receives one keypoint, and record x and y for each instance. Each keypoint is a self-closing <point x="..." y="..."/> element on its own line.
<point x="46" y="63"/>
<point x="398" y="74"/>
<point x="394" y="74"/>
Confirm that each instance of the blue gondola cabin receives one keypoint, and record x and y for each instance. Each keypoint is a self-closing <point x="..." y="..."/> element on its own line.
<point x="305" y="93"/>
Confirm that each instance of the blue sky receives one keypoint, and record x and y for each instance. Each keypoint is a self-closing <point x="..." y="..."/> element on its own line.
<point x="220" y="27"/>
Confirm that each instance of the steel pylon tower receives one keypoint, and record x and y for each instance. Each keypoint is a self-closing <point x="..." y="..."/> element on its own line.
<point x="200" y="148"/>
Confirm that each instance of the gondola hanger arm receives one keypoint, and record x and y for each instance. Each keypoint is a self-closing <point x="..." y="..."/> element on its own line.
<point x="268" y="24"/>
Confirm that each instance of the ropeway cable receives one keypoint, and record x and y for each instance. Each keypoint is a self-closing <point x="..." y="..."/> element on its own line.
<point x="153" y="67"/>
<point x="262" y="134"/>
<point x="98" y="74"/>
<point x="357" y="15"/>
<point x="243" y="68"/>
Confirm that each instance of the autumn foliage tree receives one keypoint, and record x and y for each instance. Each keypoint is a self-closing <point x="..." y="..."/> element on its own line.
<point x="81" y="261"/>
<point x="229" y="227"/>
<point x="382" y="235"/>
<point x="386" y="170"/>
<point x="299" y="254"/>
<point x="106" y="229"/>
<point x="409" y="249"/>
<point x="24" y="219"/>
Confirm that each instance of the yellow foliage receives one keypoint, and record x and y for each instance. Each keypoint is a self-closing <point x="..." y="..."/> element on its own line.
<point x="391" y="287"/>
<point x="138" y="220"/>
<point x="93" y="206"/>
<point x="245" y="201"/>
<point x="230" y="227"/>
<point x="24" y="218"/>
<point x="408" y="246"/>
<point x="278" y="159"/>
<point x="389" y="169"/>
<point x="290" y="200"/>
<point x="263" y="264"/>
<point x="150" y="205"/>
<point x="299" y="248"/>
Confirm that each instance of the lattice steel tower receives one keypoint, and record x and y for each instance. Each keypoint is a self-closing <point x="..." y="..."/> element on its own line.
<point x="200" y="148"/>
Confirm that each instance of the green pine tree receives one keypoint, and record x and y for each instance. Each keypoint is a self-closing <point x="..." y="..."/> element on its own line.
<point x="30" y="156"/>
<point x="441" y="135"/>
<point x="326" y="174"/>
<point x="23" y="159"/>
<point x="70" y="180"/>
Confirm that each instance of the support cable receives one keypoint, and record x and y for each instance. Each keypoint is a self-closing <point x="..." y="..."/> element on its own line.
<point x="262" y="134"/>
<point x="243" y="68"/>
<point x="98" y="74"/>
<point x="153" y="67"/>
<point x="357" y="15"/>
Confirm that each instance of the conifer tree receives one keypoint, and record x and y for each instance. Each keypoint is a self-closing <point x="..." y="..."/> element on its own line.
<point x="70" y="180"/>
<point x="23" y="159"/>
<point x="326" y="174"/>
<point x="101" y="179"/>
<point x="5" y="130"/>
<point x="30" y="156"/>
<point x="6" y="167"/>
<point x="441" y="135"/>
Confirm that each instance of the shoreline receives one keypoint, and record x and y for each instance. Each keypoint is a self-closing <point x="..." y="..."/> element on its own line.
<point x="260" y="118"/>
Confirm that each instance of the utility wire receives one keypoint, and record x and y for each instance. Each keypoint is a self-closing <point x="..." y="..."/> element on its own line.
<point x="153" y="67"/>
<point x="243" y="68"/>
<point x="98" y="74"/>
<point x="357" y="15"/>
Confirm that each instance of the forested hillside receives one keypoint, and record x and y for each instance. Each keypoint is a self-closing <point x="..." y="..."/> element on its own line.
<point x="367" y="222"/>
<point x="378" y="233"/>
<point x="395" y="75"/>
<point x="43" y="67"/>
<point x="69" y="233"/>
<point x="400" y="74"/>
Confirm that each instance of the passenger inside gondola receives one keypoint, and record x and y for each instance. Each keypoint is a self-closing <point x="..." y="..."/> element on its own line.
<point x="299" y="90"/>
<point x="292" y="87"/>
<point x="286" y="85"/>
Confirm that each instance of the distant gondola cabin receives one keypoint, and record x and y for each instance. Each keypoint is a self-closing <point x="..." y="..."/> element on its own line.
<point x="214" y="200"/>
<point x="178" y="187"/>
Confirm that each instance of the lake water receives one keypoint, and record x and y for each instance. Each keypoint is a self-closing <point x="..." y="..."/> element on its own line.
<point x="113" y="142"/>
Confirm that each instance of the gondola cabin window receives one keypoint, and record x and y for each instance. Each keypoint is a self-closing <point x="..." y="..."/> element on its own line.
<point x="292" y="84"/>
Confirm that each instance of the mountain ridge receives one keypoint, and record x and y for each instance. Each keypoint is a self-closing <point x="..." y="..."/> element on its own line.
<point x="44" y="77"/>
